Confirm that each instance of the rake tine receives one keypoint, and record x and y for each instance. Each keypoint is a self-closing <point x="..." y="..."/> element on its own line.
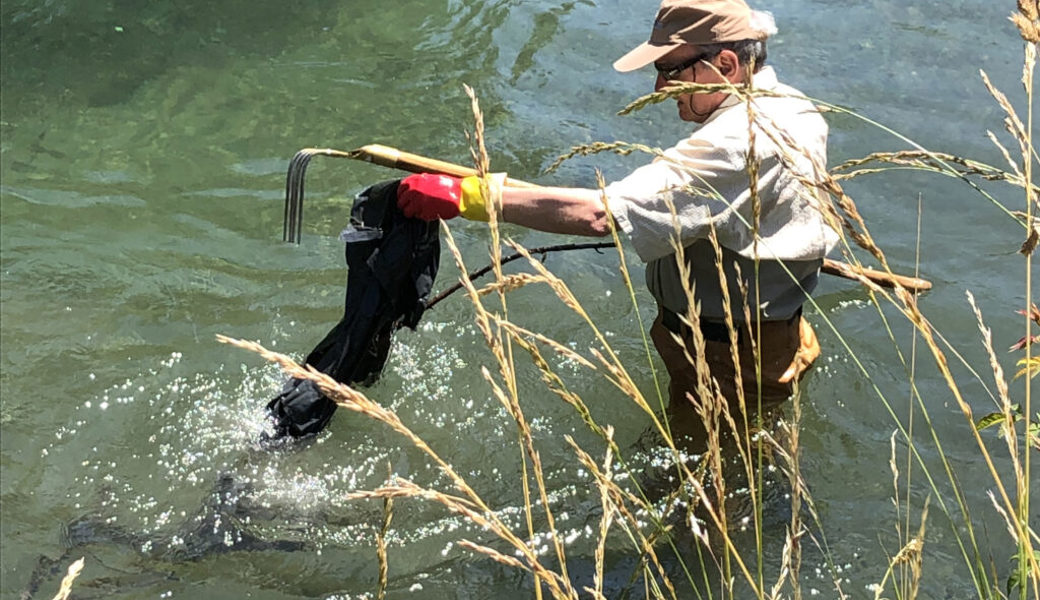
<point x="292" y="230"/>
<point x="304" y="161"/>
<point x="286" y="217"/>
<point x="292" y="219"/>
<point x="298" y="187"/>
<point x="292" y="198"/>
<point x="289" y="217"/>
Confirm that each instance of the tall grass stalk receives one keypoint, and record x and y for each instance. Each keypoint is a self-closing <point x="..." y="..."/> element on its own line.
<point x="756" y="223"/>
<point x="1027" y="19"/>
<point x="903" y="507"/>
<point x="482" y="163"/>
<point x="381" y="553"/>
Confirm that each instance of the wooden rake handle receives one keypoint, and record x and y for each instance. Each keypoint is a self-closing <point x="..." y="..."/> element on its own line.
<point x="882" y="278"/>
<point x="414" y="163"/>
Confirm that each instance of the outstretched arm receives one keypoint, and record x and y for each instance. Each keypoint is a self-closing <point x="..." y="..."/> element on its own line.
<point x="573" y="211"/>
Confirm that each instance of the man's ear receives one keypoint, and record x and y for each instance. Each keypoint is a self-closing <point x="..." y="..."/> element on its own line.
<point x="729" y="66"/>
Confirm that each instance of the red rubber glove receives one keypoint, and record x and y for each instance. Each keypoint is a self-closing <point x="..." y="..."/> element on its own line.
<point x="429" y="197"/>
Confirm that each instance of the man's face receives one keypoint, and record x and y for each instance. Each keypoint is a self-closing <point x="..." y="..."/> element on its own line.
<point x="692" y="107"/>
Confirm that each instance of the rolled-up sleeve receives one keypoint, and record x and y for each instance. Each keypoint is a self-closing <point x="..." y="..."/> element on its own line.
<point x="679" y="192"/>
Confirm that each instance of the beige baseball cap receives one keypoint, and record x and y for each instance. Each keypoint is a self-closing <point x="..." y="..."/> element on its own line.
<point x="695" y="22"/>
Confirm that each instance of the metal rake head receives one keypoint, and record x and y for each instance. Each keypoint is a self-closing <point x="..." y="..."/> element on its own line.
<point x="292" y="222"/>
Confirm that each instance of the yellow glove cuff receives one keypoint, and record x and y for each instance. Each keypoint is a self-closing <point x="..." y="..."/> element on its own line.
<point x="473" y="204"/>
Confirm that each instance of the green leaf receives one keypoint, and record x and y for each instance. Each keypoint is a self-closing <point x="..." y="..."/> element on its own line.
<point x="1018" y="572"/>
<point x="989" y="421"/>
<point x="995" y="418"/>
<point x="1030" y="367"/>
<point x="1014" y="580"/>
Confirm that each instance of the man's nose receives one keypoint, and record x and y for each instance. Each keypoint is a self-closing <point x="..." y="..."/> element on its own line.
<point x="660" y="83"/>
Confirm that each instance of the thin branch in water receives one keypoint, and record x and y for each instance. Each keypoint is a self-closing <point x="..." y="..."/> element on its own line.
<point x="516" y="256"/>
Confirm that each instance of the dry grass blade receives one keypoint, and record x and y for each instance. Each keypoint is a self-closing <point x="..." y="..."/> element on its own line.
<point x="541" y="250"/>
<point x="1031" y="562"/>
<point x="1003" y="393"/>
<point x="912" y="312"/>
<point x="1029" y="245"/>
<point x="931" y="161"/>
<point x="605" y="521"/>
<point x="512" y="405"/>
<point x="708" y="401"/>
<point x="1008" y="521"/>
<point x="481" y="317"/>
<point x="478" y="515"/>
<point x="677" y="89"/>
<point x="893" y="466"/>
<point x="622" y="382"/>
<point x="795" y="529"/>
<point x="1027" y="20"/>
<point x="502" y="349"/>
<point x="556" y="346"/>
<point x="785" y="560"/>
<point x="381" y="554"/>
<point x="478" y="150"/>
<point x="619" y="499"/>
<point x="916" y="559"/>
<point x="1012" y="123"/>
<point x="910" y="554"/>
<point x="66" y="582"/>
<point x="744" y="435"/>
<point x="402" y="488"/>
<point x="350" y="399"/>
<point x="510" y="283"/>
<point x="614" y="366"/>
<point x="493" y="554"/>
<point x="818" y="178"/>
<point x="1005" y="153"/>
<point x="556" y="384"/>
<point x="1030" y="9"/>
<point x="555" y="283"/>
<point x="619" y="148"/>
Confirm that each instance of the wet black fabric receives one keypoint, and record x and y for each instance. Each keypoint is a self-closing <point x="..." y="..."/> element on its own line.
<point x="391" y="266"/>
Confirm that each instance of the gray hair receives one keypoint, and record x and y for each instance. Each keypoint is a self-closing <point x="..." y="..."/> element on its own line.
<point x="747" y="51"/>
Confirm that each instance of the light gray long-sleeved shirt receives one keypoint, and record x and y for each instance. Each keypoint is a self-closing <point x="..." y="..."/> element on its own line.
<point x="705" y="178"/>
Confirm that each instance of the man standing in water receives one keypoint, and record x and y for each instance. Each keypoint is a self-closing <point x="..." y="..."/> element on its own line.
<point x="707" y="178"/>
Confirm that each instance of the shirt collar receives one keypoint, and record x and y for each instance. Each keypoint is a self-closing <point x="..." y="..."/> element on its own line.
<point x="765" y="79"/>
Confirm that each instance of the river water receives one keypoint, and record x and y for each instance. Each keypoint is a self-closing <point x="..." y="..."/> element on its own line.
<point x="143" y="158"/>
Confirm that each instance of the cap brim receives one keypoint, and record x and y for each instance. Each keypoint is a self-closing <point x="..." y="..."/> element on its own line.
<point x="642" y="55"/>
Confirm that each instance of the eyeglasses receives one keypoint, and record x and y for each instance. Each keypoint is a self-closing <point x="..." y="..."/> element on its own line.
<point x="672" y="73"/>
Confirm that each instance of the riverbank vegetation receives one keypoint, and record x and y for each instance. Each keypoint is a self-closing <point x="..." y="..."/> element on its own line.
<point x="698" y="527"/>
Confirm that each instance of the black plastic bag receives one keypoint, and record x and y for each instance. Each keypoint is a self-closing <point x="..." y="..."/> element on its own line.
<point x="391" y="266"/>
